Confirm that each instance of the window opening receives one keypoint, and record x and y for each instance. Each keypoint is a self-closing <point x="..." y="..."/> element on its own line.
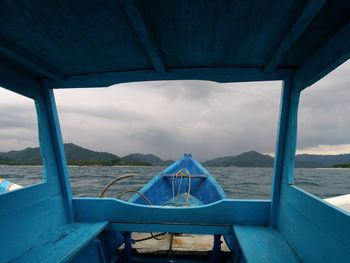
<point x="20" y="157"/>
<point x="230" y="128"/>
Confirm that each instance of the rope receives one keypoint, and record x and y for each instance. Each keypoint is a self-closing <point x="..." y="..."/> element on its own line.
<point x="179" y="188"/>
<point x="189" y="187"/>
<point x="113" y="182"/>
<point x="135" y="191"/>
<point x="181" y="173"/>
<point x="171" y="244"/>
<point x="150" y="203"/>
<point x="152" y="236"/>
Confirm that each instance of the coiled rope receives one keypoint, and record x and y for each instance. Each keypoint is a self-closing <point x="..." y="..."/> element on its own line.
<point x="181" y="174"/>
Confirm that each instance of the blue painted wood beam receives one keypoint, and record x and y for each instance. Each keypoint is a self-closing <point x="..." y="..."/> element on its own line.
<point x="319" y="231"/>
<point x="138" y="26"/>
<point x="286" y="144"/>
<point x="218" y="74"/>
<point x="57" y="147"/>
<point x="309" y="12"/>
<point x="335" y="52"/>
<point x="174" y="228"/>
<point x="226" y="211"/>
<point x="330" y="219"/>
<point x="18" y="83"/>
<point x="29" y="60"/>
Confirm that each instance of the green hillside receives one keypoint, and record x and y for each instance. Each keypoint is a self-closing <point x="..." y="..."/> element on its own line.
<point x="341" y="165"/>
<point x="76" y="155"/>
<point x="255" y="159"/>
<point x="247" y="159"/>
<point x="146" y="158"/>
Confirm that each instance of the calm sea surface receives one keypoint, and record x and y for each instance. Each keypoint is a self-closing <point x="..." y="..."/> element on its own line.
<point x="237" y="182"/>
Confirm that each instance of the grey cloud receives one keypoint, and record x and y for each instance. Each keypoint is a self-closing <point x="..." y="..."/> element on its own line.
<point x="169" y="118"/>
<point x="324" y="111"/>
<point x="189" y="90"/>
<point x="155" y="137"/>
<point x="205" y="118"/>
<point x="18" y="124"/>
<point x="109" y="113"/>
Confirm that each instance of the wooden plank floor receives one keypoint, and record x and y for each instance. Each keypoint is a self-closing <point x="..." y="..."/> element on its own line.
<point x="182" y="244"/>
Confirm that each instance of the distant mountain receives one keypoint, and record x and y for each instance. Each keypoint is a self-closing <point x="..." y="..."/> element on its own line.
<point x="321" y="161"/>
<point x="76" y="155"/>
<point x="247" y="159"/>
<point x="147" y="158"/>
<point x="255" y="159"/>
<point x="26" y="156"/>
<point x="342" y="165"/>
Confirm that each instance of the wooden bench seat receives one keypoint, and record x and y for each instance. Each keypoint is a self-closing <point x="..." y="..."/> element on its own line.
<point x="64" y="244"/>
<point x="264" y="245"/>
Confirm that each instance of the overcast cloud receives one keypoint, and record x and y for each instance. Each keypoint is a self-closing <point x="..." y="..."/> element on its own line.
<point x="169" y="118"/>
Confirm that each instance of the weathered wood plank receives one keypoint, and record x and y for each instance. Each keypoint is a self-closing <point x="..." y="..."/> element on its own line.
<point x="226" y="211"/>
<point x="316" y="230"/>
<point x="29" y="60"/>
<point x="138" y="25"/>
<point x="64" y="244"/>
<point x="26" y="217"/>
<point x="53" y="153"/>
<point x="18" y="83"/>
<point x="309" y="12"/>
<point x="264" y="245"/>
<point x="207" y="229"/>
<point x="217" y="74"/>
<point x="286" y="144"/>
<point x="335" y="52"/>
<point x="182" y="244"/>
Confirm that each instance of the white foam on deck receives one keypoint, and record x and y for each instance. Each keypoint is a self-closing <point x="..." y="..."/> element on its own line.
<point x="342" y="202"/>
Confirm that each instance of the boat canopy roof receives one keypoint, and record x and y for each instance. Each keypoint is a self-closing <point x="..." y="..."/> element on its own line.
<point x="100" y="43"/>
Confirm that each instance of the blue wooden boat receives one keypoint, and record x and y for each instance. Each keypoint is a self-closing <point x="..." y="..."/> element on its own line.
<point x="47" y="45"/>
<point x="184" y="183"/>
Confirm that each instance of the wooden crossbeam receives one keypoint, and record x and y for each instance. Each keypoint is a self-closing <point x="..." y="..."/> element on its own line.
<point x="308" y="13"/>
<point x="335" y="52"/>
<point x="220" y="214"/>
<point x="223" y="75"/>
<point x="174" y="228"/>
<point x="29" y="60"/>
<point x="17" y="83"/>
<point x="138" y="25"/>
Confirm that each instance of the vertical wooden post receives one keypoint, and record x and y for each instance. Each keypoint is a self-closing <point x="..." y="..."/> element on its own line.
<point x="216" y="251"/>
<point x="127" y="255"/>
<point x="286" y="143"/>
<point x="55" y="148"/>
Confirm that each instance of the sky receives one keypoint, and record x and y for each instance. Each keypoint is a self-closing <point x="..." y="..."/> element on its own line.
<point x="169" y="118"/>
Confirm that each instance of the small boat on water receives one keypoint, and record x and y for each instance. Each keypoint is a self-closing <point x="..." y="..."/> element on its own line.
<point x="6" y="186"/>
<point x="186" y="183"/>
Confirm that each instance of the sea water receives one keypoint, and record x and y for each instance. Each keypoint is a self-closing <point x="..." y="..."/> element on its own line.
<point x="237" y="182"/>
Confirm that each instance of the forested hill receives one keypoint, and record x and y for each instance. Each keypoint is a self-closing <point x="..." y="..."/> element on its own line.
<point x="247" y="159"/>
<point x="147" y="158"/>
<point x="76" y="155"/>
<point x="255" y="159"/>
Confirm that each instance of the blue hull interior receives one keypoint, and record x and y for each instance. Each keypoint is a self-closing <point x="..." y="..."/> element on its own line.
<point x="186" y="183"/>
<point x="170" y="185"/>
